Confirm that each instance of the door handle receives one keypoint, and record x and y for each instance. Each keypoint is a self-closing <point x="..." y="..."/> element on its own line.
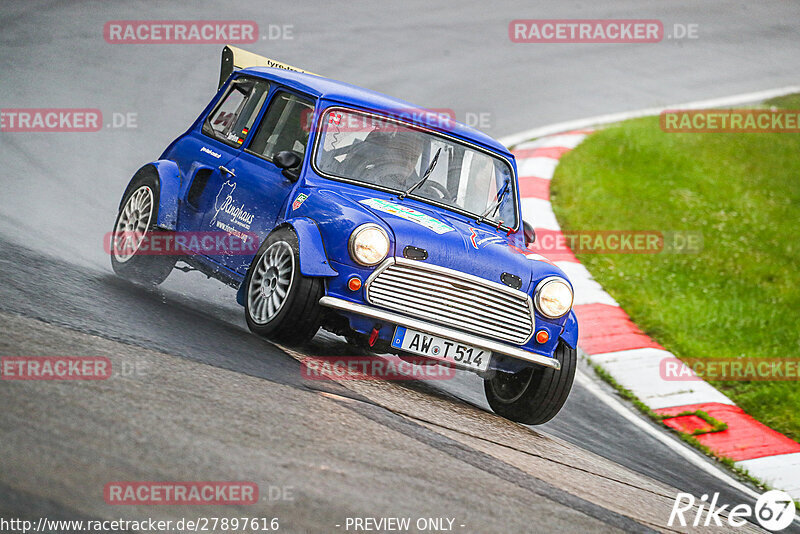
<point x="227" y="171"/>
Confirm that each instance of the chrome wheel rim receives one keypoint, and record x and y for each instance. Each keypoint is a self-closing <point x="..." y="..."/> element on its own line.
<point x="133" y="223"/>
<point x="509" y="387"/>
<point x="270" y="283"/>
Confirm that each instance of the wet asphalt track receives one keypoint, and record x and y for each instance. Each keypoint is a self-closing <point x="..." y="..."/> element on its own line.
<point x="61" y="190"/>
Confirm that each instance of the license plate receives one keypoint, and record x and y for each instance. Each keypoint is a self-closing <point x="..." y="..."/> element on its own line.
<point x="441" y="349"/>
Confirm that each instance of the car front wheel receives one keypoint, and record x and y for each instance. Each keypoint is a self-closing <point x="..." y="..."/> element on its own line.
<point x="133" y="229"/>
<point x="280" y="303"/>
<point x="534" y="395"/>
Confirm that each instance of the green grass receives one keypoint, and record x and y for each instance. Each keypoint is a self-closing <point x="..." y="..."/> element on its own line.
<point x="785" y="102"/>
<point x="739" y="296"/>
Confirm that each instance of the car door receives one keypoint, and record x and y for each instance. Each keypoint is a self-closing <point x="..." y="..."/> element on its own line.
<point x="215" y="146"/>
<point x="259" y="190"/>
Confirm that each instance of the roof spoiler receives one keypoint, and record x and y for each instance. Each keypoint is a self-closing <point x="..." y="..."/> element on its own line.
<point x="235" y="58"/>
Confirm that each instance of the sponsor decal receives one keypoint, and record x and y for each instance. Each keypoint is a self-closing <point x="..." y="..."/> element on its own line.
<point x="409" y="214"/>
<point x="224" y="203"/>
<point x="211" y="152"/>
<point x="234" y="138"/>
<point x="484" y="239"/>
<point x="299" y="201"/>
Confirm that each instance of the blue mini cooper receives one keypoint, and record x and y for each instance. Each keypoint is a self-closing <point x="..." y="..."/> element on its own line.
<point x="395" y="227"/>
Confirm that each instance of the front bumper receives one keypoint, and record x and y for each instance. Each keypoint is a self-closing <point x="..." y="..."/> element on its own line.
<point x="436" y="330"/>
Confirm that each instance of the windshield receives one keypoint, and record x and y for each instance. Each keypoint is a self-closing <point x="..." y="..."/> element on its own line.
<point x="393" y="155"/>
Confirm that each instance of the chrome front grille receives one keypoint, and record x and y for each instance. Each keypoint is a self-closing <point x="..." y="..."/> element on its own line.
<point x="452" y="298"/>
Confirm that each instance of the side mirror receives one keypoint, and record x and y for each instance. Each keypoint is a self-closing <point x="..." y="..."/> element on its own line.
<point x="289" y="162"/>
<point x="530" y="234"/>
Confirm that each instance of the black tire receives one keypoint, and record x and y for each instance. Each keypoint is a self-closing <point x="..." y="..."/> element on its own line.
<point x="141" y="268"/>
<point x="298" y="317"/>
<point x="535" y="395"/>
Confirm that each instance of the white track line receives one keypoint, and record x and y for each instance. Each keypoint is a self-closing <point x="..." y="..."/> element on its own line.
<point x="779" y="471"/>
<point x="580" y="124"/>
<point x="679" y="448"/>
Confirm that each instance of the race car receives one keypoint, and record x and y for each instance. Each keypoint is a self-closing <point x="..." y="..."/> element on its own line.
<point x="396" y="227"/>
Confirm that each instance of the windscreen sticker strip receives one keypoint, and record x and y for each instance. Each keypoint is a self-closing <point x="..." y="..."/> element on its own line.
<point x="408" y="214"/>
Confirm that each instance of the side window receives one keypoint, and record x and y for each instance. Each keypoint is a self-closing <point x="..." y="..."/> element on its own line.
<point x="285" y="126"/>
<point x="233" y="118"/>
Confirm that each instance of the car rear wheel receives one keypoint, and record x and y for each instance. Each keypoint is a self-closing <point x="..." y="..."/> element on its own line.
<point x="535" y="395"/>
<point x="135" y="223"/>
<point x="280" y="303"/>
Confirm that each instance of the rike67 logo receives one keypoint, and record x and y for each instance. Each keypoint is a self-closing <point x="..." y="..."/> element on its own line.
<point x="774" y="510"/>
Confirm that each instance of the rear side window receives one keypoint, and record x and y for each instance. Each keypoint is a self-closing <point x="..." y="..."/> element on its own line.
<point x="234" y="116"/>
<point x="285" y="126"/>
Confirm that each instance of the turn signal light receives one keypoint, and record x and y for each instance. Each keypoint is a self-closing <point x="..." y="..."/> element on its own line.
<point x="354" y="284"/>
<point x="542" y="336"/>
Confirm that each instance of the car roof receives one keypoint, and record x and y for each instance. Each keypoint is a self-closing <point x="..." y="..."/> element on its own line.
<point x="349" y="94"/>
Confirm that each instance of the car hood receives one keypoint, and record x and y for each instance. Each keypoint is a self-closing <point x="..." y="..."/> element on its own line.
<point x="455" y="241"/>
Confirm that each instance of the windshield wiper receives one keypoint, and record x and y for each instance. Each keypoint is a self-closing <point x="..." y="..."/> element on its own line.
<point x="494" y="207"/>
<point x="424" y="178"/>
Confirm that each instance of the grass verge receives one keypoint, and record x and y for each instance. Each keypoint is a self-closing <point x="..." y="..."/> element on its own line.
<point x="687" y="438"/>
<point x="739" y="296"/>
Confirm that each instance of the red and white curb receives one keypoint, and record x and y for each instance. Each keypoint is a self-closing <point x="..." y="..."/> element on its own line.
<point x="632" y="358"/>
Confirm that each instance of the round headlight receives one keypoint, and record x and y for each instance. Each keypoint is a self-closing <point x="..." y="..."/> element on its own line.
<point x="369" y="244"/>
<point x="553" y="297"/>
